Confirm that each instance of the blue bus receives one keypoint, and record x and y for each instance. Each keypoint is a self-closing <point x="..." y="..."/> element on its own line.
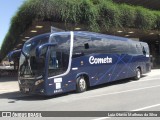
<point x="60" y="62"/>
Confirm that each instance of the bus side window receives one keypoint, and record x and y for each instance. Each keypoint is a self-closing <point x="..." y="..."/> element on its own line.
<point x="133" y="49"/>
<point x="145" y="49"/>
<point x="81" y="45"/>
<point x="99" y="45"/>
<point x="118" y="47"/>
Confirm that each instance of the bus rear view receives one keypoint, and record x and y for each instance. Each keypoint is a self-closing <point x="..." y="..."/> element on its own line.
<point x="55" y="63"/>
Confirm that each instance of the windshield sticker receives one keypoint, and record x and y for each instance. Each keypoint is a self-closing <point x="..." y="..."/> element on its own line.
<point x="58" y="82"/>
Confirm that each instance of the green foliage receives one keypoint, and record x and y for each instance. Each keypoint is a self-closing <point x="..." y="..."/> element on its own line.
<point x="96" y="15"/>
<point x="89" y="14"/>
<point x="109" y="14"/>
<point x="128" y="15"/>
<point x="157" y="24"/>
<point x="145" y="19"/>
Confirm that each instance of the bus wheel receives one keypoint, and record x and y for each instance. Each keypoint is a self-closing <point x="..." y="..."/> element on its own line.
<point x="138" y="74"/>
<point x="81" y="84"/>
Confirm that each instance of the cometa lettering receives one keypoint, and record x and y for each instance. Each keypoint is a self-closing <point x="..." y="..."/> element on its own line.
<point x="93" y="60"/>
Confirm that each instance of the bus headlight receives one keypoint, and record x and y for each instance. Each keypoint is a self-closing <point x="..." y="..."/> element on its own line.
<point x="38" y="82"/>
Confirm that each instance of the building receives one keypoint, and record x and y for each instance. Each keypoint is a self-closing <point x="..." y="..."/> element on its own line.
<point x="136" y="19"/>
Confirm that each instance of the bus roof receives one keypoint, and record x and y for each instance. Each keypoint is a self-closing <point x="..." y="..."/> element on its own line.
<point x="38" y="37"/>
<point x="85" y="33"/>
<point x="102" y="35"/>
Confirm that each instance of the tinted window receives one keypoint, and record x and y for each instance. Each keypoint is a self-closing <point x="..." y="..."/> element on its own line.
<point x="59" y="54"/>
<point x="94" y="45"/>
<point x="80" y="43"/>
<point x="118" y="46"/>
<point x="145" y="48"/>
<point x="99" y="45"/>
<point x="133" y="48"/>
<point x="139" y="48"/>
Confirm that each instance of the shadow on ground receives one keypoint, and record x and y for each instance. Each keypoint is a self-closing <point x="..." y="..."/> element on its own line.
<point x="8" y="78"/>
<point x="16" y="96"/>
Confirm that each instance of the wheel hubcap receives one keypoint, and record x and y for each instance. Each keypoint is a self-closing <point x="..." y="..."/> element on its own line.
<point x="138" y="74"/>
<point x="82" y="84"/>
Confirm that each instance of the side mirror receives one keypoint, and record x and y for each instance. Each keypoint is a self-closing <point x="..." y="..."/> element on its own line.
<point x="14" y="54"/>
<point x="39" y="48"/>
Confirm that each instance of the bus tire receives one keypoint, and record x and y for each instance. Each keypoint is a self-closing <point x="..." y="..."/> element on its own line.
<point x="138" y="74"/>
<point x="81" y="84"/>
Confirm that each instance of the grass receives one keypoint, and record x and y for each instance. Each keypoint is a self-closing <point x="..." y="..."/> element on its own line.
<point x="94" y="14"/>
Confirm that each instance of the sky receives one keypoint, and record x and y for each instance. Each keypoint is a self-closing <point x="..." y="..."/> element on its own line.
<point x="8" y="9"/>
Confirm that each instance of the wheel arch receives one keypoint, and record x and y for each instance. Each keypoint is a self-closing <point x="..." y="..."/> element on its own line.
<point x="140" y="68"/>
<point x="86" y="77"/>
<point x="138" y="73"/>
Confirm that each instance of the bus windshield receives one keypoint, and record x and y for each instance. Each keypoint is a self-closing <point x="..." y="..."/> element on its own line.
<point x="30" y="65"/>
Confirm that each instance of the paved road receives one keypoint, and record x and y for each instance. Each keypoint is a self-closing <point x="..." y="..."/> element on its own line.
<point x="125" y="95"/>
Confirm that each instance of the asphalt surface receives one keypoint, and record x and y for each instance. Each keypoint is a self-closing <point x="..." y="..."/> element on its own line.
<point x="124" y="95"/>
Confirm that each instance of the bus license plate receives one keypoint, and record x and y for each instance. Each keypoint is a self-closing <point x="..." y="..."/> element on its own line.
<point x="26" y="89"/>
